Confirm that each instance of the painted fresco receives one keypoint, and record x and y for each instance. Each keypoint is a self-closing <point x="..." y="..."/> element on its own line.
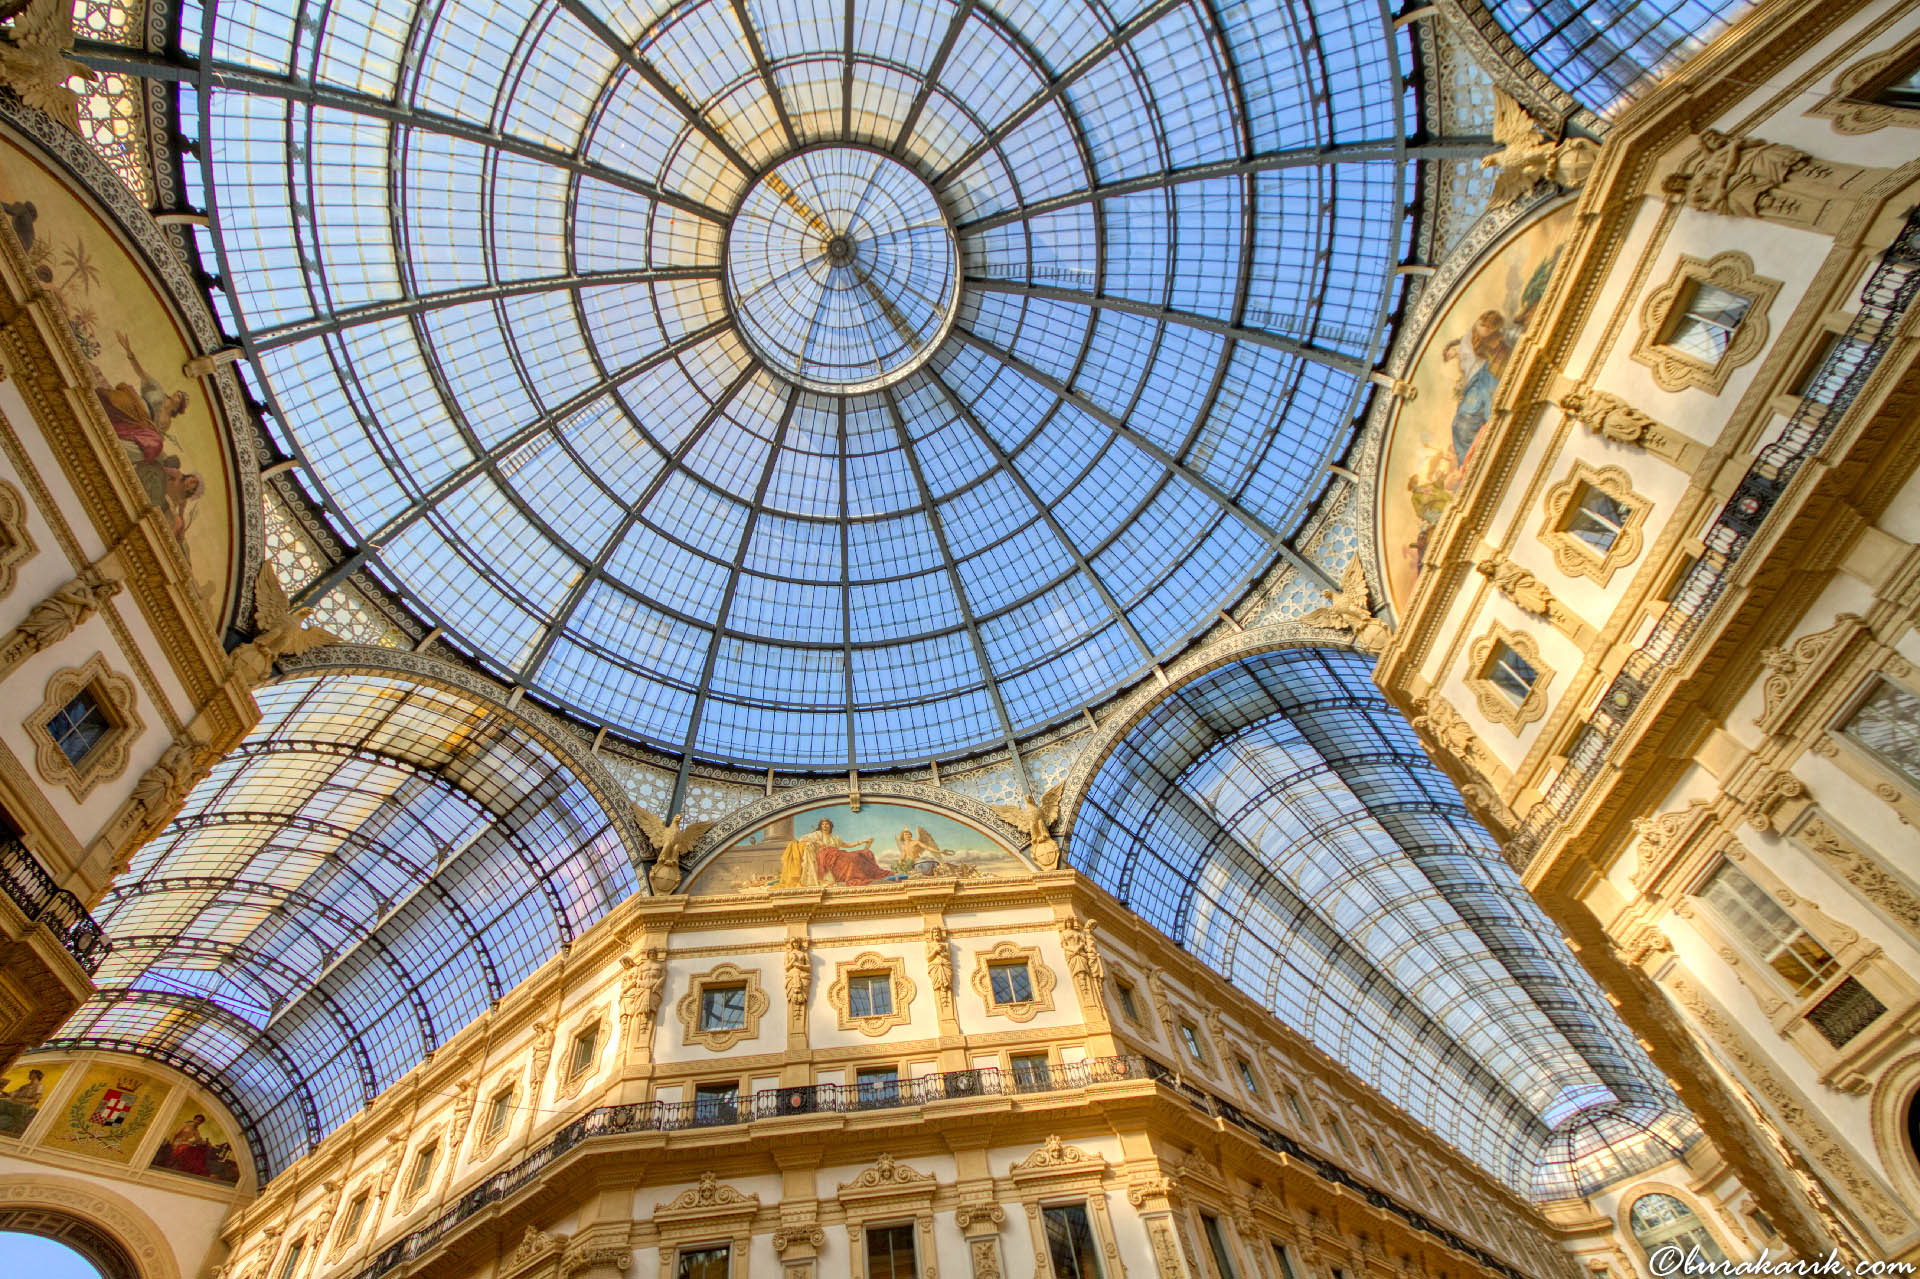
<point x="163" y="419"/>
<point x="23" y="1090"/>
<point x="108" y="1113"/>
<point x="1454" y="378"/>
<point x="833" y="846"/>
<point x="197" y="1147"/>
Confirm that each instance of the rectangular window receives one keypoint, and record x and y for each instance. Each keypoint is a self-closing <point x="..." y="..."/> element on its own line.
<point x="292" y="1263"/>
<point x="1030" y="1071"/>
<point x="1299" y="1111"/>
<point x="584" y="1045"/>
<point x="77" y="727"/>
<point x="1127" y="1004"/>
<point x="1887" y="725"/>
<point x="1767" y="932"/>
<point x="1191" y="1038"/>
<point x="350" y="1224"/>
<point x="1340" y="1134"/>
<point x="1509" y="672"/>
<point x="1070" y="1244"/>
<point x="878" y="1085"/>
<point x="709" y="1262"/>
<point x="1283" y="1261"/>
<point x="1217" y="1245"/>
<point x="723" y="1007"/>
<point x="1703" y="325"/>
<point x="1011" y="983"/>
<point x="1245" y="1068"/>
<point x="1595" y="518"/>
<point x="499" y="1110"/>
<point x="890" y="1252"/>
<point x="716" y="1103"/>
<point x="1374" y="1158"/>
<point x="422" y="1168"/>
<point x="870" y="994"/>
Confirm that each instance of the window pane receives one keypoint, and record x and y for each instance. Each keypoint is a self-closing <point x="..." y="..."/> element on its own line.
<point x="890" y="1253"/>
<point x="78" y="726"/>
<point x="879" y="1086"/>
<point x="1070" y="1242"/>
<point x="1030" y="1070"/>
<point x="1718" y="306"/>
<point x="1765" y="930"/>
<point x="1511" y="673"/>
<point x="723" y="1008"/>
<point x="716" y="1103"/>
<point x="1217" y="1245"/>
<point x="1011" y="983"/>
<point x="497" y="1113"/>
<point x="1596" y="519"/>
<point x="583" y="1047"/>
<point x="1283" y="1260"/>
<point x="870" y="995"/>
<point x="703" y="1263"/>
<point x="1888" y="724"/>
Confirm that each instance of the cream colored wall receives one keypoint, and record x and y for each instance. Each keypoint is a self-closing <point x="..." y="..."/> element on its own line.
<point x="373" y="1152"/>
<point x="1840" y="1111"/>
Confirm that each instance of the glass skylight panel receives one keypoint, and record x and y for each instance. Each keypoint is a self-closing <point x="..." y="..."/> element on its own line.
<point x="1034" y="105"/>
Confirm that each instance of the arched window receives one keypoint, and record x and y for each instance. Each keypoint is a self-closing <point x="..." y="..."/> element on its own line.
<point x="1661" y="1221"/>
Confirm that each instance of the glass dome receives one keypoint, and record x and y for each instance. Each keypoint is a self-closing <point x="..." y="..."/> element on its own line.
<point x="809" y="386"/>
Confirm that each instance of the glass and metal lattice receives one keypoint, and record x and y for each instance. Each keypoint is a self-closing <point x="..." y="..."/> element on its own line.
<point x="350" y="886"/>
<point x="808" y="386"/>
<point x="1282" y="823"/>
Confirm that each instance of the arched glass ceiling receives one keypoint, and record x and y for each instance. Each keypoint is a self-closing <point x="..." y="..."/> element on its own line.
<point x="1280" y="821"/>
<point x="1609" y="1144"/>
<point x="352" y="885"/>
<point x="1605" y="53"/>
<point x="536" y="289"/>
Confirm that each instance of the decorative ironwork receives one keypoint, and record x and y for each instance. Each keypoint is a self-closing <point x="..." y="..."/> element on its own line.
<point x="1843" y="374"/>
<point x="774" y="1103"/>
<point x="44" y="902"/>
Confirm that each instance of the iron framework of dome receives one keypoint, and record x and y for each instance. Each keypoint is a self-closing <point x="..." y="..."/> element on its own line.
<point x="806" y="386"/>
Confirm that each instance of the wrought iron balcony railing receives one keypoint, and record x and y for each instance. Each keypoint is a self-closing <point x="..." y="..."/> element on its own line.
<point x="778" y="1103"/>
<point x="30" y="887"/>
<point x="1843" y="373"/>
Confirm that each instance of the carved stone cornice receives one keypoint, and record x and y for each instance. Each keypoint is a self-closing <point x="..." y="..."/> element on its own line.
<point x="708" y="1201"/>
<point x="1798" y="669"/>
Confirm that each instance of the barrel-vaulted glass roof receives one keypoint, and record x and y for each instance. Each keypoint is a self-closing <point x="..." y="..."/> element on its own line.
<point x="1605" y="53"/>
<point x="353" y="884"/>
<point x="805" y="384"/>
<point x="1280" y="821"/>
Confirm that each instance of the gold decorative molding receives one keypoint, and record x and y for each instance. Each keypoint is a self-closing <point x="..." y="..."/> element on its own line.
<point x="707" y="1199"/>
<point x="1612" y="418"/>
<point x="1867" y="875"/>
<point x="1039" y="976"/>
<point x="688" y="1008"/>
<point x="888" y="1175"/>
<point x="1575" y="557"/>
<point x="56" y="617"/>
<point x="108" y="758"/>
<point x="573" y="1080"/>
<point x="643" y="976"/>
<point x="901" y="986"/>
<point x="1796" y="668"/>
<point x="1851" y="108"/>
<point x="16" y="543"/>
<point x="1675" y="371"/>
<point x="1807" y="1128"/>
<point x="1746" y="177"/>
<point x="1493" y="701"/>
<point x="1055" y="1156"/>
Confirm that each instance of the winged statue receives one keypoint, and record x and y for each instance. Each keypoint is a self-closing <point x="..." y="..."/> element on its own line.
<point x="671" y="841"/>
<point x="281" y="629"/>
<point x="1530" y="155"/>
<point x="1347" y="609"/>
<point x="1037" y="820"/>
<point x="34" y="61"/>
